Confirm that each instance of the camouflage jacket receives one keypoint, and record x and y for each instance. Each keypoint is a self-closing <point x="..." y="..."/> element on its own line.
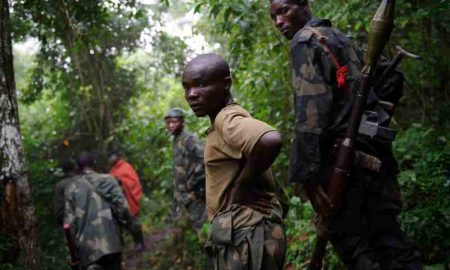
<point x="322" y="109"/>
<point x="58" y="197"/>
<point x="189" y="169"/>
<point x="95" y="207"/>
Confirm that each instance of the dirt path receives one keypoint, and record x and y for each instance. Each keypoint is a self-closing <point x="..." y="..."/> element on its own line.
<point x="139" y="261"/>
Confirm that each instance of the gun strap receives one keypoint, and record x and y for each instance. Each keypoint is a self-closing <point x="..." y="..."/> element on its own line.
<point x="341" y="71"/>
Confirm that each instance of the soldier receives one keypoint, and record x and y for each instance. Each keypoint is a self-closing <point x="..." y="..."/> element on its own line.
<point x="132" y="189"/>
<point x="70" y="170"/>
<point x="95" y="207"/>
<point x="365" y="234"/>
<point x="247" y="230"/>
<point x="188" y="172"/>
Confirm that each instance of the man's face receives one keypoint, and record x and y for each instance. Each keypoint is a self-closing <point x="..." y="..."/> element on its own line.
<point x="204" y="91"/>
<point x="174" y="125"/>
<point x="289" y="17"/>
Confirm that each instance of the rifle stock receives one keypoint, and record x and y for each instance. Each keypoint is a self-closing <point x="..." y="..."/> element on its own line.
<point x="379" y="34"/>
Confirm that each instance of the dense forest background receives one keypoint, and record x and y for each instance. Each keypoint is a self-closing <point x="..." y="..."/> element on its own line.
<point x="96" y="75"/>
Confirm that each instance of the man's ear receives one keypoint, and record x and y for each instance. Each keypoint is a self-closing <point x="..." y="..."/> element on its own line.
<point x="228" y="81"/>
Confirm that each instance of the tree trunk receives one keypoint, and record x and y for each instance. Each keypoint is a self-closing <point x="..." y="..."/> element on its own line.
<point x="17" y="213"/>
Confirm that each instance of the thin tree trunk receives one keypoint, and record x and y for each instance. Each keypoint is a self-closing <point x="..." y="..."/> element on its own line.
<point x="17" y="213"/>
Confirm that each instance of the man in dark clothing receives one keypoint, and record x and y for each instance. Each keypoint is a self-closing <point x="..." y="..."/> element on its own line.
<point x="132" y="189"/>
<point x="70" y="170"/>
<point x="365" y="233"/>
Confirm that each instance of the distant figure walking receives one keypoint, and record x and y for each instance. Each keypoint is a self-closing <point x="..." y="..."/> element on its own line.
<point x="131" y="186"/>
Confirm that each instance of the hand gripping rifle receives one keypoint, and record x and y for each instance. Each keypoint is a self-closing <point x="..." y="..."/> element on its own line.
<point x="379" y="34"/>
<point x="73" y="259"/>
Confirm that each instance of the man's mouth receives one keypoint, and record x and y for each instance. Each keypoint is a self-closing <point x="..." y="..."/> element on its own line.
<point x="285" y="31"/>
<point x="196" y="107"/>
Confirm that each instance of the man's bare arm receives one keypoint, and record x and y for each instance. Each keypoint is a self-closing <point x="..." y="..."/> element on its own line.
<point x="261" y="158"/>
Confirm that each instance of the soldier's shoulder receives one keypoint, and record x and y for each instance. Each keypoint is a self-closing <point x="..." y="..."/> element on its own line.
<point x="303" y="35"/>
<point x="71" y="187"/>
<point x="101" y="178"/>
<point x="228" y="113"/>
<point x="339" y="39"/>
<point x="189" y="136"/>
<point x="310" y="35"/>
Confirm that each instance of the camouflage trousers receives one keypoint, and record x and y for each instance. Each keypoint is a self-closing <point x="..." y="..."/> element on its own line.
<point x="366" y="234"/>
<point x="258" y="247"/>
<point x="194" y="210"/>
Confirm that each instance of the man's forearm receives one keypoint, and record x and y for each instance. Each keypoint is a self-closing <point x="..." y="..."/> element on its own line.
<point x="261" y="158"/>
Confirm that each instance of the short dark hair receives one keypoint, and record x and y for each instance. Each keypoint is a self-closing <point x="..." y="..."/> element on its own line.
<point x="85" y="159"/>
<point x="116" y="152"/>
<point x="67" y="165"/>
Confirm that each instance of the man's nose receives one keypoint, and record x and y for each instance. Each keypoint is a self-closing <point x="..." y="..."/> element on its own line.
<point x="279" y="22"/>
<point x="191" y="93"/>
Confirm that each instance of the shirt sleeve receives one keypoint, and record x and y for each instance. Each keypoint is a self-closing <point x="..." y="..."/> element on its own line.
<point x="313" y="104"/>
<point x="242" y="132"/>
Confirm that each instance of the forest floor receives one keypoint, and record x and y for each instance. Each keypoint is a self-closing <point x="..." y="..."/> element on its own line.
<point x="140" y="260"/>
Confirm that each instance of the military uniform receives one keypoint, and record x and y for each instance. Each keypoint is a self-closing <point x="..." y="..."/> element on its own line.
<point x="189" y="179"/>
<point x="94" y="208"/>
<point x="240" y="237"/>
<point x="58" y="197"/>
<point x="365" y="234"/>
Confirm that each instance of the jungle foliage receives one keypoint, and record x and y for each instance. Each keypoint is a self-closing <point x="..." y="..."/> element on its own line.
<point x="92" y="86"/>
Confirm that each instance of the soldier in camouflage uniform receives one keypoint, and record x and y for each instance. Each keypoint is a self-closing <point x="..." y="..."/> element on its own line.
<point x="246" y="230"/>
<point x="70" y="170"/>
<point x="326" y="66"/>
<point x="95" y="207"/>
<point x="188" y="172"/>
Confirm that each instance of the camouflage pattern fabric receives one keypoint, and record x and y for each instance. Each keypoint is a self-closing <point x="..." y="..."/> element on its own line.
<point x="242" y="238"/>
<point x="366" y="235"/>
<point x="322" y="109"/>
<point x="95" y="207"/>
<point x="189" y="179"/>
<point x="58" y="197"/>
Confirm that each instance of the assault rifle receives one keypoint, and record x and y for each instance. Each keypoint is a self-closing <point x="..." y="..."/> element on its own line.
<point x="379" y="34"/>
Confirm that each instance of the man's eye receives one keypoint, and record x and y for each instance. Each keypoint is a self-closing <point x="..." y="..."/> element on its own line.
<point x="284" y="10"/>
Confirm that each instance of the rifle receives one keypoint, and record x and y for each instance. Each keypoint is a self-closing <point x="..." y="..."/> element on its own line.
<point x="379" y="34"/>
<point x="73" y="258"/>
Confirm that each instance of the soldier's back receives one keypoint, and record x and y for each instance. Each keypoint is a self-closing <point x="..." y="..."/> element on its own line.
<point x="89" y="213"/>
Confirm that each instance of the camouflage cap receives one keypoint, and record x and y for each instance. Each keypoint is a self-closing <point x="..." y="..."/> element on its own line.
<point x="174" y="112"/>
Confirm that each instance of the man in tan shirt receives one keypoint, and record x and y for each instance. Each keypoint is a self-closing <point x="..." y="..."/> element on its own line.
<point x="247" y="230"/>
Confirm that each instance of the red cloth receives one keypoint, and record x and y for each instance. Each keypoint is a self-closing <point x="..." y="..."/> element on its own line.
<point x="341" y="75"/>
<point x="131" y="186"/>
